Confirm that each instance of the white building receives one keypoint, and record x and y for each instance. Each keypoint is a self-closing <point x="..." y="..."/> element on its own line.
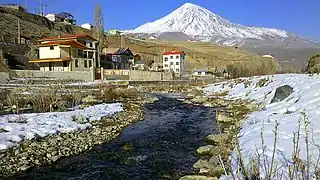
<point x="173" y="61"/>
<point x="87" y="26"/>
<point x="268" y="56"/>
<point x="203" y="72"/>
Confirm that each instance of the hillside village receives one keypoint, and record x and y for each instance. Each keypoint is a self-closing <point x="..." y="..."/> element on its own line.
<point x="88" y="101"/>
<point x="121" y="51"/>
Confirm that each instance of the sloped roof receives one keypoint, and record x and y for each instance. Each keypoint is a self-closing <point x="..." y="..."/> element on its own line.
<point x="72" y="43"/>
<point x="117" y="51"/>
<point x="173" y="52"/>
<point x="202" y="70"/>
<point x="67" y="37"/>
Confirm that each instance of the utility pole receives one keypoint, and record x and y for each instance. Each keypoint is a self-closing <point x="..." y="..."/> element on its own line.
<point x="26" y="5"/>
<point x="44" y="9"/>
<point x="19" y="34"/>
<point x="41" y="8"/>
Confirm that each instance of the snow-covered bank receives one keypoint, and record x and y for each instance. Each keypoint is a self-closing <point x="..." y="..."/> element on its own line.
<point x="16" y="128"/>
<point x="305" y="98"/>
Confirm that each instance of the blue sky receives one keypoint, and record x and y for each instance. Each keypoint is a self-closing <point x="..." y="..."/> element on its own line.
<point x="297" y="16"/>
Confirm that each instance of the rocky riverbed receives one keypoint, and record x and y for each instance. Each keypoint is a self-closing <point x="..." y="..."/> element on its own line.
<point x="214" y="157"/>
<point x="53" y="147"/>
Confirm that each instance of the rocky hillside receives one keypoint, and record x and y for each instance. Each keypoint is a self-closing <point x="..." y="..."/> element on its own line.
<point x="32" y="26"/>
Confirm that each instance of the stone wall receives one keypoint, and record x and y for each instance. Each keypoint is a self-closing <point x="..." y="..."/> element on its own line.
<point x="4" y="77"/>
<point x="63" y="75"/>
<point x="150" y="76"/>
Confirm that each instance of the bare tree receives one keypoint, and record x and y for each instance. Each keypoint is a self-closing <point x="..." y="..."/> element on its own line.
<point x="99" y="26"/>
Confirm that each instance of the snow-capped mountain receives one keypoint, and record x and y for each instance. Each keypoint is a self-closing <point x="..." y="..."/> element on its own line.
<point x="201" y="24"/>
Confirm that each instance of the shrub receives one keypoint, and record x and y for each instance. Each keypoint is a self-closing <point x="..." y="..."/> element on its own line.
<point x="112" y="93"/>
<point x="314" y="64"/>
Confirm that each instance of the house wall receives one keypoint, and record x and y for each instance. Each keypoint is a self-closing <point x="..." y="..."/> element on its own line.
<point x="56" y="66"/>
<point x="81" y="64"/>
<point x="45" y="52"/>
<point x="65" y="52"/>
<point x="51" y="17"/>
<point x="74" y="75"/>
<point x="171" y="64"/>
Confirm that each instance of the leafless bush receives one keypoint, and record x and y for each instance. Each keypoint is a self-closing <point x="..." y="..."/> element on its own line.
<point x="260" y="167"/>
<point x="252" y="68"/>
<point x="112" y="93"/>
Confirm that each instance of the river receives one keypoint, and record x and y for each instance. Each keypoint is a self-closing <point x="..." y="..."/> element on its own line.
<point x="162" y="146"/>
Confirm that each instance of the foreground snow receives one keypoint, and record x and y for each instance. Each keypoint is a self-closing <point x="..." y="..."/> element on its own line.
<point x="305" y="98"/>
<point x="16" y="128"/>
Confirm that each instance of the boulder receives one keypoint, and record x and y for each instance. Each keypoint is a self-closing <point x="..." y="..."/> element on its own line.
<point x="223" y="118"/>
<point x="209" y="167"/>
<point x="218" y="139"/>
<point x="205" y="149"/>
<point x="282" y="93"/>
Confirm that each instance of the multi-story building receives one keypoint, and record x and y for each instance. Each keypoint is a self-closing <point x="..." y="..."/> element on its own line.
<point x="68" y="53"/>
<point x="173" y="61"/>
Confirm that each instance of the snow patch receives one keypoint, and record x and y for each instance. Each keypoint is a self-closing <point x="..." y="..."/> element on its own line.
<point x="305" y="98"/>
<point x="18" y="127"/>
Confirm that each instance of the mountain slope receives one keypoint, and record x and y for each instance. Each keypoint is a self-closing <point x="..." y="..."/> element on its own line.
<point x="199" y="22"/>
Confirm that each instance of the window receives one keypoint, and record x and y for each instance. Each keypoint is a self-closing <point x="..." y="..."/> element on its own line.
<point x="65" y="64"/>
<point x="166" y="65"/>
<point x="51" y="47"/>
<point x="90" y="55"/>
<point x="80" y="53"/>
<point x="199" y="73"/>
<point x="85" y="54"/>
<point x="165" y="59"/>
<point x="90" y="63"/>
<point x="90" y="44"/>
<point x="171" y="57"/>
<point x="97" y="63"/>
<point x="171" y="63"/>
<point x="177" y="57"/>
<point x="50" y="66"/>
<point x="85" y="63"/>
<point x="177" y="63"/>
<point x="177" y="70"/>
<point x="76" y="63"/>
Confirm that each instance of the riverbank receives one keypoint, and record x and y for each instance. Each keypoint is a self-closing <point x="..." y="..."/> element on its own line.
<point x="214" y="158"/>
<point x="49" y="149"/>
<point x="278" y="140"/>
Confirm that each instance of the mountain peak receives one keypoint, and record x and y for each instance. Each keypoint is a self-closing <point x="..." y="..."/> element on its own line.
<point x="186" y="5"/>
<point x="200" y="23"/>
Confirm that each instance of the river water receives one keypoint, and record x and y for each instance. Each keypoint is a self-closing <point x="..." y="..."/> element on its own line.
<point x="162" y="146"/>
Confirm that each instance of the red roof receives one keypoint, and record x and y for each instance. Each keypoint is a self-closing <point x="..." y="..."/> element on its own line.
<point x="73" y="36"/>
<point x="173" y="52"/>
<point x="72" y="43"/>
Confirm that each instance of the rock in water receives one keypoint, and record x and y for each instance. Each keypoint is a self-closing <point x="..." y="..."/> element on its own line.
<point x="282" y="93"/>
